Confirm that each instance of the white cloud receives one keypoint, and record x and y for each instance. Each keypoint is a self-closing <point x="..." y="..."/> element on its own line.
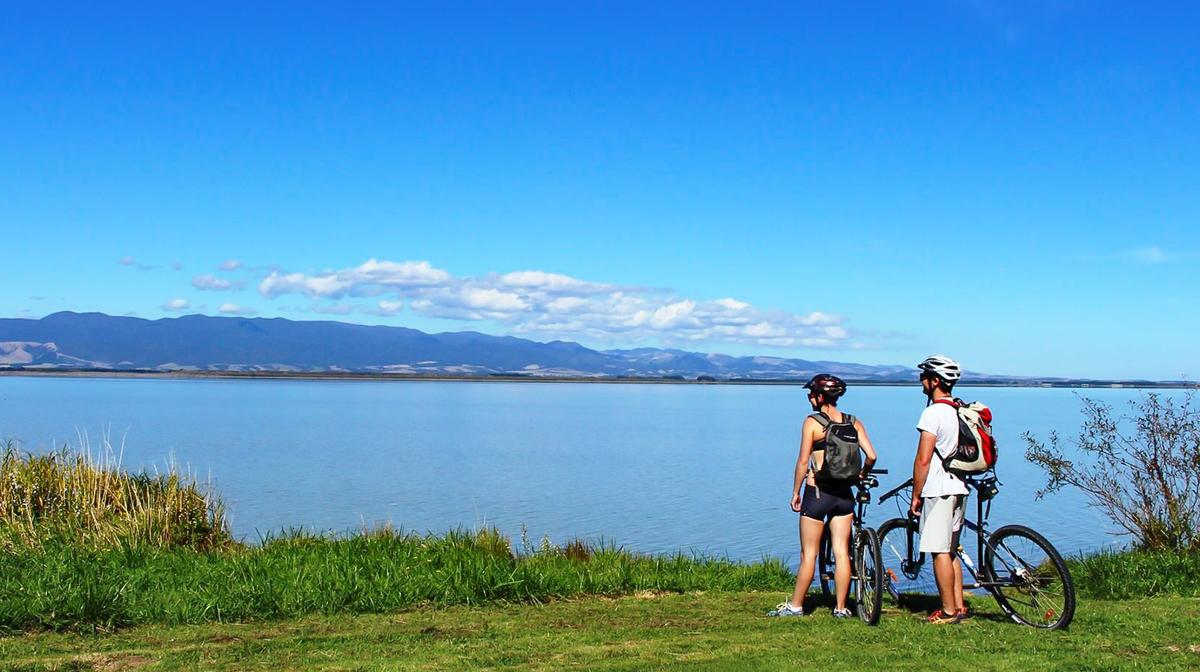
<point x="1151" y="254"/>
<point x="547" y="304"/>
<point x="369" y="278"/>
<point x="176" y="304"/>
<point x="277" y="284"/>
<point x="234" y="309"/>
<point x="229" y="265"/>
<point x="128" y="260"/>
<point x="470" y="303"/>
<point x="566" y="304"/>
<point x="385" y="308"/>
<point x="1154" y="255"/>
<point x="210" y="282"/>
<point x="551" y="283"/>
<point x="732" y="304"/>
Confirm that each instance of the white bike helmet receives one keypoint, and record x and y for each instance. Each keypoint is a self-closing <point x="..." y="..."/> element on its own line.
<point x="942" y="366"/>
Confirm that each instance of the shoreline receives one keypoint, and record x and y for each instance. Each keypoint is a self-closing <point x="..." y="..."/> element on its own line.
<point x="501" y="378"/>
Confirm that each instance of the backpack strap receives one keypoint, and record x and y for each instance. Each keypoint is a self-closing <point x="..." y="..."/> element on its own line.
<point x="948" y="401"/>
<point x="825" y="421"/>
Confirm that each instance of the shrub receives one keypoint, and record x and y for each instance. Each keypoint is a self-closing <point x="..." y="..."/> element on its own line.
<point x="1142" y="468"/>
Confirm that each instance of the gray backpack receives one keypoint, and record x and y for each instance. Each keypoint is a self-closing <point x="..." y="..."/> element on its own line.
<point x="843" y="455"/>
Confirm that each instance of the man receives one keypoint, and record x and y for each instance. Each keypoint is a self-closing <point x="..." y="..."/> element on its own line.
<point x="938" y="496"/>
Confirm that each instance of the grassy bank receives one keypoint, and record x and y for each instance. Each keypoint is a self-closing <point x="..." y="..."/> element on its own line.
<point x="61" y="586"/>
<point x="85" y="546"/>
<point x="1133" y="575"/>
<point x="710" y="631"/>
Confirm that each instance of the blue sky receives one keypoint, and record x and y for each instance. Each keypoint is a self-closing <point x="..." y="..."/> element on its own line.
<point x="1012" y="183"/>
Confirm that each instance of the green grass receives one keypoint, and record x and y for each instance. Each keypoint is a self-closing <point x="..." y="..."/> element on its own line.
<point x="62" y="586"/>
<point x="709" y="631"/>
<point x="1137" y="574"/>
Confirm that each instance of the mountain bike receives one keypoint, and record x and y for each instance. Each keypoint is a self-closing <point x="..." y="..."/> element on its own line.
<point x="866" y="576"/>
<point x="1019" y="567"/>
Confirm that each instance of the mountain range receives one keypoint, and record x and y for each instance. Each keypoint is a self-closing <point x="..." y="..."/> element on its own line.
<point x="69" y="340"/>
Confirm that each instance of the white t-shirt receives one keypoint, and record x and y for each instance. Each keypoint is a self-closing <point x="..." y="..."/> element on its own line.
<point x="941" y="420"/>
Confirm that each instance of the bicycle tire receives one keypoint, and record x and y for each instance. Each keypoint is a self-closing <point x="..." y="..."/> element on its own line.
<point x="1039" y="591"/>
<point x="868" y="570"/>
<point x="901" y="576"/>
<point x="826" y="565"/>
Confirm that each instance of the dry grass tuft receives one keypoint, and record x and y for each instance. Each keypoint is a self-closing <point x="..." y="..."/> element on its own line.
<point x="85" y="497"/>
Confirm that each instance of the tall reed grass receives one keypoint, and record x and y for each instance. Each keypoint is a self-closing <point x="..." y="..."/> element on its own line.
<point x="85" y="496"/>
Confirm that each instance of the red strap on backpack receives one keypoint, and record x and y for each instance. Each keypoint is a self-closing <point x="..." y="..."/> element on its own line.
<point x="946" y="400"/>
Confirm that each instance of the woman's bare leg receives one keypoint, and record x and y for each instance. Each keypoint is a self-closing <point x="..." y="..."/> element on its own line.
<point x="839" y="537"/>
<point x="810" y="546"/>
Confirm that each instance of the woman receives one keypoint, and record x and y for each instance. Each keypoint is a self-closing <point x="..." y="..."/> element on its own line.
<point x="831" y="502"/>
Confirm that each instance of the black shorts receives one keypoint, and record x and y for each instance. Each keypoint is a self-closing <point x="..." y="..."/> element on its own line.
<point x="824" y="503"/>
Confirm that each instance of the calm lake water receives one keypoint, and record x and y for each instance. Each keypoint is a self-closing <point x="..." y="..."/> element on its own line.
<point x="655" y="468"/>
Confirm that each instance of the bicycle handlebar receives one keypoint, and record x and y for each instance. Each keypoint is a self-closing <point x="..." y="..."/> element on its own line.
<point x="877" y="471"/>
<point x="896" y="490"/>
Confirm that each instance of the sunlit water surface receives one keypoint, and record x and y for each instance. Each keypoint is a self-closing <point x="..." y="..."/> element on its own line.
<point x="655" y="468"/>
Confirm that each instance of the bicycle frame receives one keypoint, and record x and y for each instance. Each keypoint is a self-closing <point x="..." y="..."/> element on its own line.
<point x="1014" y="578"/>
<point x="983" y="577"/>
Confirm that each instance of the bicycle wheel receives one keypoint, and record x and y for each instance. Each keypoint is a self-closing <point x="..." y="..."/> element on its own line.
<point x="903" y="575"/>
<point x="869" y="575"/>
<point x="826" y="565"/>
<point x="1035" y="587"/>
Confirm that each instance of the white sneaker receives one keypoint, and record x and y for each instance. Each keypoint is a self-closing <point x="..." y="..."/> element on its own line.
<point x="842" y="613"/>
<point x="786" y="609"/>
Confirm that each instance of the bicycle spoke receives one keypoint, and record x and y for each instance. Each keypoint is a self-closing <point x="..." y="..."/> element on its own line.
<point x="1032" y="585"/>
<point x="900" y="575"/>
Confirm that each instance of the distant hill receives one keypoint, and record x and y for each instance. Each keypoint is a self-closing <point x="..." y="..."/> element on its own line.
<point x="68" y="340"/>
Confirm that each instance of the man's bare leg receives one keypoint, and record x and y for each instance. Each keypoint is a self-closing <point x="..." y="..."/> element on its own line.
<point x="958" y="584"/>
<point x="944" y="565"/>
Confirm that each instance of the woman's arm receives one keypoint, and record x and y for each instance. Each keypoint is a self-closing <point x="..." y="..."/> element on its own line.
<point x="865" y="442"/>
<point x="806" y="443"/>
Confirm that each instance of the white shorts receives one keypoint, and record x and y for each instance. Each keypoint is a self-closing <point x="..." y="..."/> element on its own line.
<point x="941" y="523"/>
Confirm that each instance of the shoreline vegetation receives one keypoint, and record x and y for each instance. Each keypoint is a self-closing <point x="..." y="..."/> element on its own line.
<point x="519" y="378"/>
<point x="86" y="546"/>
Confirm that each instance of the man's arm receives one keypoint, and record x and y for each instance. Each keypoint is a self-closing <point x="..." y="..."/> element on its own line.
<point x="925" y="448"/>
